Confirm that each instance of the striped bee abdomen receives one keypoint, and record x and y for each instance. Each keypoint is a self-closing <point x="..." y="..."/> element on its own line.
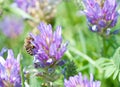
<point x="28" y="45"/>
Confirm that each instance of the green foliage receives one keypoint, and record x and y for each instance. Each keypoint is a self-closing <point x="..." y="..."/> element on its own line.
<point x="84" y="48"/>
<point x="79" y="4"/>
<point x="111" y="66"/>
<point x="22" y="73"/>
<point x="70" y="69"/>
<point x="35" y="82"/>
<point x="20" y="12"/>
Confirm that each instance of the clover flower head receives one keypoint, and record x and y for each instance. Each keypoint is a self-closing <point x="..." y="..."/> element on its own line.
<point x="79" y="81"/>
<point x="101" y="14"/>
<point x="10" y="71"/>
<point x="45" y="9"/>
<point x="12" y="26"/>
<point x="48" y="47"/>
<point x="25" y="4"/>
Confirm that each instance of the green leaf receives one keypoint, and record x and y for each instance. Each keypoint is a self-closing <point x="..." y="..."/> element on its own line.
<point x="116" y="57"/>
<point x="111" y="66"/>
<point x="34" y="82"/>
<point x="102" y="60"/>
<point x="19" y="12"/>
<point x="119" y="77"/>
<point x="109" y="71"/>
<point x="115" y="74"/>
<point x="106" y="64"/>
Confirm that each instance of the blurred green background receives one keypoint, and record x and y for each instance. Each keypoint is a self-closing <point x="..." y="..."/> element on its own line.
<point x="84" y="49"/>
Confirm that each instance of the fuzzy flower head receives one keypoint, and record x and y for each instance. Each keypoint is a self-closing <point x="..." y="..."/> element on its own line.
<point x="25" y="4"/>
<point x="45" y="9"/>
<point x="101" y="14"/>
<point x="47" y="46"/>
<point x="10" y="71"/>
<point x="28" y="5"/>
<point x="79" y="81"/>
<point x="11" y="26"/>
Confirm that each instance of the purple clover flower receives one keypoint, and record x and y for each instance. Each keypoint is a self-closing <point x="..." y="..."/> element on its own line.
<point x="10" y="71"/>
<point x="101" y="15"/>
<point x="25" y="4"/>
<point x="48" y="45"/>
<point x="37" y="5"/>
<point x="11" y="26"/>
<point x="45" y="10"/>
<point x="79" y="81"/>
<point x="3" y="51"/>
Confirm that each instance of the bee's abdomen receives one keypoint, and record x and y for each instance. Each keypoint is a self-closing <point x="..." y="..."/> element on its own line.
<point x="29" y="46"/>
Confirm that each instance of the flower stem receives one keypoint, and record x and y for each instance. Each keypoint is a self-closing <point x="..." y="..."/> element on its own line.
<point x="22" y="74"/>
<point x="89" y="59"/>
<point x="105" y="47"/>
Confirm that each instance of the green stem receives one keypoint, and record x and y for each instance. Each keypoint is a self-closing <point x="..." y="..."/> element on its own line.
<point x="99" y="45"/>
<point x="104" y="47"/>
<point x="22" y="74"/>
<point x="89" y="59"/>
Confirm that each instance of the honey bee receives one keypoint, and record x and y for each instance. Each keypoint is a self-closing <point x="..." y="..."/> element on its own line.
<point x="28" y="45"/>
